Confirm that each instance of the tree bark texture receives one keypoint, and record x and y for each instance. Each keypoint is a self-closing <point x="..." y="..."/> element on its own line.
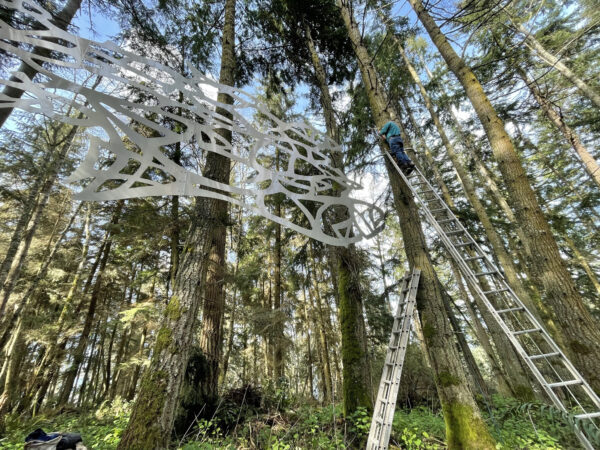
<point x="152" y="416"/>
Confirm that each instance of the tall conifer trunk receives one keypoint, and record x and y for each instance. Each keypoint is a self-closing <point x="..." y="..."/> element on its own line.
<point x="555" y="63"/>
<point x="589" y="163"/>
<point x="547" y="266"/>
<point x="356" y="384"/>
<point x="465" y="427"/>
<point x="153" y="413"/>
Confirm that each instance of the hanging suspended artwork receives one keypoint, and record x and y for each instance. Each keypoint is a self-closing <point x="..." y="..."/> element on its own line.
<point x="135" y="110"/>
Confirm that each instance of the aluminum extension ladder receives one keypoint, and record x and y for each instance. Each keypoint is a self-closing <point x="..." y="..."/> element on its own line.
<point x="381" y="424"/>
<point x="550" y="366"/>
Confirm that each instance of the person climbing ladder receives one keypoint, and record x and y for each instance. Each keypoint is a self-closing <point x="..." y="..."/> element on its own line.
<point x="391" y="134"/>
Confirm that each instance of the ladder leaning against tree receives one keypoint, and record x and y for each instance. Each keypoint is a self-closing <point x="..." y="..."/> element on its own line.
<point x="560" y="380"/>
<point x="381" y="424"/>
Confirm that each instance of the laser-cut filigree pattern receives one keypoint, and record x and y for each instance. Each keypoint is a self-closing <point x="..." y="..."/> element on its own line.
<point x="140" y="108"/>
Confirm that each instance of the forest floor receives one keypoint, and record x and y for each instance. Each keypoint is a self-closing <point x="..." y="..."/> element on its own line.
<point x="514" y="425"/>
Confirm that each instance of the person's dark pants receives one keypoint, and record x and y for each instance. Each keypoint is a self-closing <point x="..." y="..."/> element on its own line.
<point x="397" y="150"/>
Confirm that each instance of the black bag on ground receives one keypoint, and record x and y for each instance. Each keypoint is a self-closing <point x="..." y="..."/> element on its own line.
<point x="39" y="439"/>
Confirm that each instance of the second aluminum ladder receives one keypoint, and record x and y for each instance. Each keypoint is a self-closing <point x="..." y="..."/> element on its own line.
<point x="381" y="424"/>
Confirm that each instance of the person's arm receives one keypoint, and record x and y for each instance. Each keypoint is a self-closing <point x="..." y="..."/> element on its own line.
<point x="384" y="130"/>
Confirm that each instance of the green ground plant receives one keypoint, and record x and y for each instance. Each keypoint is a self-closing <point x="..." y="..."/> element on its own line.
<point x="515" y="425"/>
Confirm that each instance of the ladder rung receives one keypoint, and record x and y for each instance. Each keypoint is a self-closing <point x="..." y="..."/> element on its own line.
<point x="433" y="211"/>
<point x="588" y="415"/>
<point x="495" y="291"/>
<point x="507" y="310"/>
<point x="531" y="330"/>
<point x="451" y="233"/>
<point x="463" y="244"/>
<point x="481" y="274"/>
<point x="446" y="220"/>
<point x="544" y="355"/>
<point x="473" y="258"/>
<point x="565" y="383"/>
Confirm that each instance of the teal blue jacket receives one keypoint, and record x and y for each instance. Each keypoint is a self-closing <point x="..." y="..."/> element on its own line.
<point x="390" y="129"/>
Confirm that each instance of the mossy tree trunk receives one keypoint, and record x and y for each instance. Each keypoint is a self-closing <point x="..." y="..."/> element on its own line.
<point x="465" y="427"/>
<point x="356" y="383"/>
<point x="153" y="413"/>
<point x="218" y="167"/>
<point x="548" y="268"/>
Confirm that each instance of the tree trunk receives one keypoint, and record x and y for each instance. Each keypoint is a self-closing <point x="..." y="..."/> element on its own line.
<point x="138" y="368"/>
<point x="230" y="337"/>
<point x="79" y="350"/>
<point x="62" y="20"/>
<point x="478" y="384"/>
<point x="152" y="415"/>
<point x="309" y="357"/>
<point x="356" y="387"/>
<point x="589" y="163"/>
<point x="278" y="332"/>
<point x="317" y="313"/>
<point x="465" y="427"/>
<point x="234" y="301"/>
<point x="556" y="63"/>
<point x="12" y="380"/>
<point x="582" y="261"/>
<point x="547" y="266"/>
<point x="489" y="182"/>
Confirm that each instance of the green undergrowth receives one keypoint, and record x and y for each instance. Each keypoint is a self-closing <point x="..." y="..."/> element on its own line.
<point x="101" y="430"/>
<point x="514" y="425"/>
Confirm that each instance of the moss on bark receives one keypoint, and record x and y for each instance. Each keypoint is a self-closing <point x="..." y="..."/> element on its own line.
<point x="355" y="381"/>
<point x="446" y="379"/>
<point x="150" y="402"/>
<point x="465" y="428"/>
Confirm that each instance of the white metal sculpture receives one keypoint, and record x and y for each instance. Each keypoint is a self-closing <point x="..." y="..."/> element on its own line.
<point x="140" y="108"/>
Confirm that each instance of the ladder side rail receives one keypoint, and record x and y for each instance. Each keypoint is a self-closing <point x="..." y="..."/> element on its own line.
<point x="406" y="319"/>
<point x="381" y="423"/>
<point x="377" y="423"/>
